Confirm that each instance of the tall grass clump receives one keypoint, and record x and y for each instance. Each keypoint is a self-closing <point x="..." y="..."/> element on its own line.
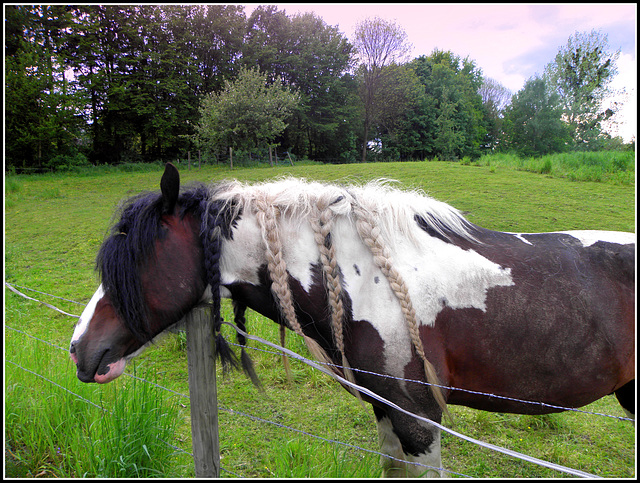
<point x="616" y="167"/>
<point x="57" y="426"/>
<point x="12" y="189"/>
<point x="11" y="185"/>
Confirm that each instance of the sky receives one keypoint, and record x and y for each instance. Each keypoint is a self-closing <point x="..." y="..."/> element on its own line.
<point x="508" y="42"/>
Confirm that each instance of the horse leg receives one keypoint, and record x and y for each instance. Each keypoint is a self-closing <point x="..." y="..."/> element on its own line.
<point x="626" y="398"/>
<point x="407" y="441"/>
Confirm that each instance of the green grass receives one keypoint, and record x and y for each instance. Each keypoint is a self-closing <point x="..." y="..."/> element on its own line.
<point x="53" y="429"/>
<point x="54" y="225"/>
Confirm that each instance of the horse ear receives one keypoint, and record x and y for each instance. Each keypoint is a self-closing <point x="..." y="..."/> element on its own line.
<point x="170" y="187"/>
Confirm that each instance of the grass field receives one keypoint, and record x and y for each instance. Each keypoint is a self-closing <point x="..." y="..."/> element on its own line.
<point x="54" y="225"/>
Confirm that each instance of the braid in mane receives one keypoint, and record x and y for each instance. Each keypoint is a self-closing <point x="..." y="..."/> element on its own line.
<point x="371" y="236"/>
<point x="213" y="227"/>
<point x="266" y="214"/>
<point x="247" y="365"/>
<point x="217" y="218"/>
<point x="321" y="223"/>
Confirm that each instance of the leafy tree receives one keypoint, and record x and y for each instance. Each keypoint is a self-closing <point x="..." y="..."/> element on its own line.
<point x="402" y="93"/>
<point x="266" y="42"/>
<point x="381" y="46"/>
<point x="214" y="42"/>
<point x="41" y="104"/>
<point x="313" y="58"/>
<point x="318" y="61"/>
<point x="449" y="120"/>
<point x="144" y="68"/>
<point x="102" y="48"/>
<point x="581" y="74"/>
<point x="533" y="121"/>
<point x="495" y="97"/>
<point x="249" y="112"/>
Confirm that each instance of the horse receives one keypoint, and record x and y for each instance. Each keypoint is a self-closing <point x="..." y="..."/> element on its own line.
<point x="379" y="281"/>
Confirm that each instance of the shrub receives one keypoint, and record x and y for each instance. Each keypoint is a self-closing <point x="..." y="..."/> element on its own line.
<point x="67" y="162"/>
<point x="546" y="166"/>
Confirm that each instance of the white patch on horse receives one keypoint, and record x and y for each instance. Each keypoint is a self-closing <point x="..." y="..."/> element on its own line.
<point x="87" y="314"/>
<point x="299" y="249"/>
<point x="243" y="255"/>
<point x="438" y="275"/>
<point x="590" y="237"/>
<point x="585" y="237"/>
<point x="520" y="237"/>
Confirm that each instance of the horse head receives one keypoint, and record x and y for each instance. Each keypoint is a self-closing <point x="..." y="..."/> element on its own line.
<point x="153" y="272"/>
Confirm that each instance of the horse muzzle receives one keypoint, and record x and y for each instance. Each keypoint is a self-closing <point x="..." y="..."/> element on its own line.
<point x="100" y="369"/>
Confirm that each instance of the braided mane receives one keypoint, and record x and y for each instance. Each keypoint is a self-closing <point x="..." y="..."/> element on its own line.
<point x="392" y="209"/>
<point x="381" y="215"/>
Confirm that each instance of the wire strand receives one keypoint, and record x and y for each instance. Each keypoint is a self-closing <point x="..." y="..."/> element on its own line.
<point x="343" y="381"/>
<point x="451" y="388"/>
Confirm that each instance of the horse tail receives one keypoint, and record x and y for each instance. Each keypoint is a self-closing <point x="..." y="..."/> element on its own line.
<point x="371" y="236"/>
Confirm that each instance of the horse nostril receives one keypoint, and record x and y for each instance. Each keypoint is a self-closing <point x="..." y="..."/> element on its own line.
<point x="72" y="353"/>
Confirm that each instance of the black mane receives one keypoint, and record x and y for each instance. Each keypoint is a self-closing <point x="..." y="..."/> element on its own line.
<point x="128" y="246"/>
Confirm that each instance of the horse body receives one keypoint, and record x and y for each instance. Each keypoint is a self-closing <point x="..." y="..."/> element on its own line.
<point x="519" y="316"/>
<point x="538" y="339"/>
<point x="538" y="317"/>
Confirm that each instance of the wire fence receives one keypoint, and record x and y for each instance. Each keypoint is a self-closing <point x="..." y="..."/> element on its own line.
<point x="319" y="366"/>
<point x="220" y="408"/>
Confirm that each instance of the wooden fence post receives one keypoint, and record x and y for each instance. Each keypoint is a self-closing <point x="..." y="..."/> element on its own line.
<point x="203" y="393"/>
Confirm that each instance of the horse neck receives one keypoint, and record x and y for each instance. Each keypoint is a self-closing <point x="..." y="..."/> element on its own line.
<point x="245" y="255"/>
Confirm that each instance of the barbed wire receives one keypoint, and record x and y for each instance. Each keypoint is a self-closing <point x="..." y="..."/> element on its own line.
<point x="402" y="379"/>
<point x="392" y="405"/>
<point x="13" y="289"/>
<point x="290" y="428"/>
<point x="45" y="293"/>
<point x="330" y="373"/>
<point x="388" y="376"/>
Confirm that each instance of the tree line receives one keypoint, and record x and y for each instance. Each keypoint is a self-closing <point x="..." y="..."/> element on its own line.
<point x="96" y="84"/>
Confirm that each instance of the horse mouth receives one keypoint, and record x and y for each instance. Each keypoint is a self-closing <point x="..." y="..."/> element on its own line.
<point x="105" y="371"/>
<point x="114" y="370"/>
